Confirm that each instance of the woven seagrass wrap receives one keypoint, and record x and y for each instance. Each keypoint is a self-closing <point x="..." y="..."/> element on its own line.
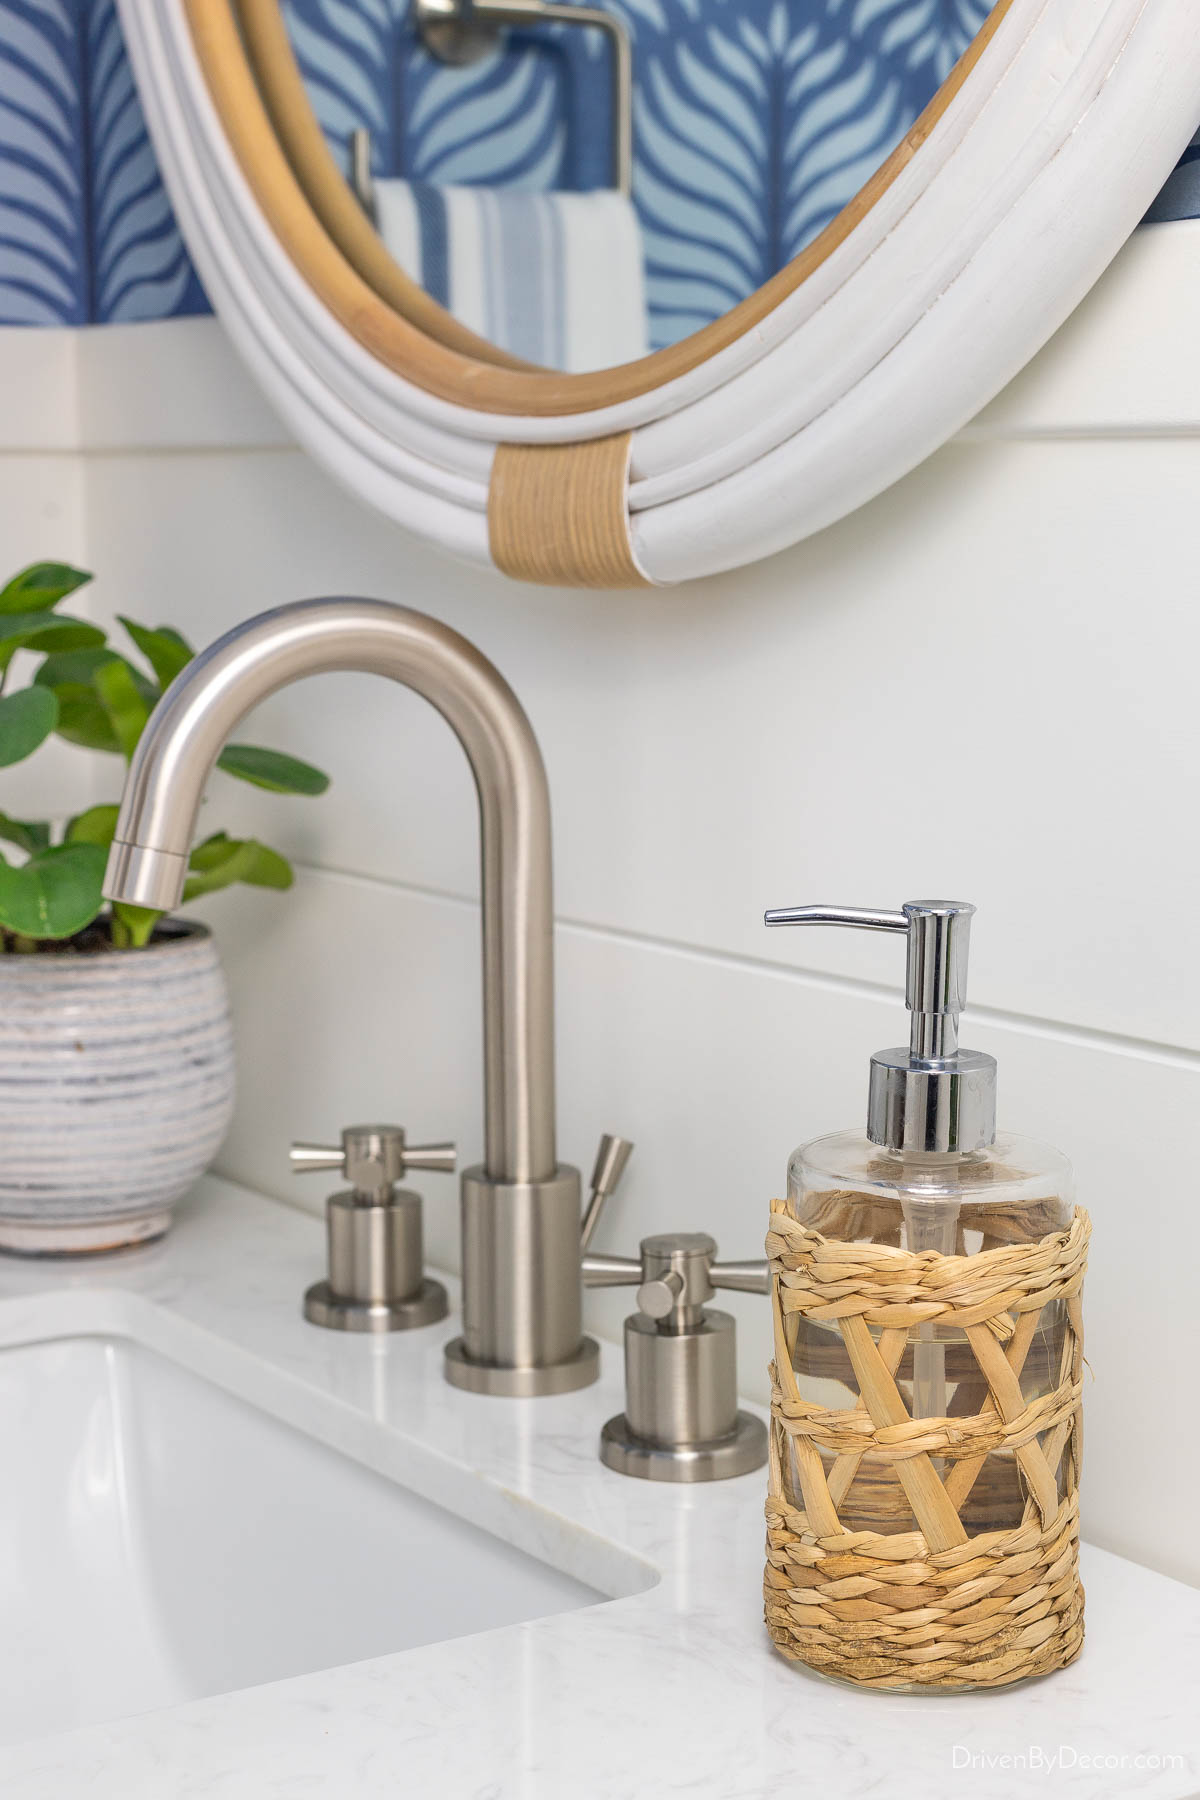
<point x="931" y="1606"/>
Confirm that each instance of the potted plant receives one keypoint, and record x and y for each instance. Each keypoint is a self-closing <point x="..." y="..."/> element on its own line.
<point x="116" y="1051"/>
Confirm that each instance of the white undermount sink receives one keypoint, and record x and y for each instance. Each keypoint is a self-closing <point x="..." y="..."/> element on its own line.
<point x="161" y="1540"/>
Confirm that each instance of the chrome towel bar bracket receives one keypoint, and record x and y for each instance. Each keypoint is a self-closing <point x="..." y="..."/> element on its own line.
<point x="460" y="32"/>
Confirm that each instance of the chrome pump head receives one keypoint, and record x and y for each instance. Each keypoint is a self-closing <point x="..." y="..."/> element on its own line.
<point x="932" y="1096"/>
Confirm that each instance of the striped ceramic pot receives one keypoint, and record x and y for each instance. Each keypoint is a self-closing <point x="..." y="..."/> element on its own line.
<point x="116" y="1089"/>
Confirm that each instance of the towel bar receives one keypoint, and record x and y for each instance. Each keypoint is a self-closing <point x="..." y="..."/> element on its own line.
<point x="459" y="32"/>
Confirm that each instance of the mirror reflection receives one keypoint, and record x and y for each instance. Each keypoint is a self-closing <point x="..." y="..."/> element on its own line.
<point x="581" y="185"/>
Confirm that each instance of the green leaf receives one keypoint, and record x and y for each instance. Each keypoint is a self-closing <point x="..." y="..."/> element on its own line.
<point x="210" y="850"/>
<point x="43" y="631"/>
<point x="220" y="861"/>
<point x="272" y="769"/>
<point x="41" y="586"/>
<point x="26" y="720"/>
<point x="164" y="649"/>
<point x="174" y="637"/>
<point x="83" y="720"/>
<point x="26" y="834"/>
<point x="127" y="710"/>
<point x="55" y="894"/>
<point x="74" y="666"/>
<point x="78" y="667"/>
<point x="132" y="926"/>
<point x="95" y="826"/>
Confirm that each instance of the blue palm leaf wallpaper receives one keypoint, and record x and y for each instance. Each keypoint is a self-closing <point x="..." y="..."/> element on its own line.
<point x="1180" y="198"/>
<point x="139" y="266"/>
<point x="755" y="121"/>
<point x="43" y="180"/>
<point x="86" y="230"/>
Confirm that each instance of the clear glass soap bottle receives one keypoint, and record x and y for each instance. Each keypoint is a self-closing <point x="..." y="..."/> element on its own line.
<point x="929" y="1173"/>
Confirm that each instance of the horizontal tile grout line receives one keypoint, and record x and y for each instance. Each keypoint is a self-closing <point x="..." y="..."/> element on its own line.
<point x="968" y="437"/>
<point x="1151" y="432"/>
<point x="1088" y="1037"/>
<point x="113" y="452"/>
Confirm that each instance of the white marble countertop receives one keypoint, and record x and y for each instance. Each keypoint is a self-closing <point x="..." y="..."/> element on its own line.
<point x="673" y="1690"/>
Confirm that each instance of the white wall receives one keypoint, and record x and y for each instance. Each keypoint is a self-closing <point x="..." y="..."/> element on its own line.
<point x="42" y="516"/>
<point x="982" y="684"/>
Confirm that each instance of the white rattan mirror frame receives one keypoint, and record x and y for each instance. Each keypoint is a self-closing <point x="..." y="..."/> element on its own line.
<point x="1027" y="180"/>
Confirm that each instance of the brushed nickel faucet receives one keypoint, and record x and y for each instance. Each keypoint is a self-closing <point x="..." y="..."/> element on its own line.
<point x="521" y="1231"/>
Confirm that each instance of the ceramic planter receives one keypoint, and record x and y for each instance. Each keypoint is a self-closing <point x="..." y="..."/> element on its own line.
<point x="116" y="1089"/>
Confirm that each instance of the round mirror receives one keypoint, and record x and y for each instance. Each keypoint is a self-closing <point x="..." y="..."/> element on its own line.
<point x="623" y="294"/>
<point x="579" y="186"/>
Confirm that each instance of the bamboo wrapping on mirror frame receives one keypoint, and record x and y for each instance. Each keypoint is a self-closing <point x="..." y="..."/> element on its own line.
<point x="932" y="1607"/>
<point x="559" y="513"/>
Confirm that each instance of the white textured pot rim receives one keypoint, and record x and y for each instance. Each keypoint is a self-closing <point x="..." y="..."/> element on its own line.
<point x="177" y="934"/>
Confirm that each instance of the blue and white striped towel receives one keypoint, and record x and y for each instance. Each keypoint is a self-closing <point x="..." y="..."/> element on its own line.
<point x="554" y="278"/>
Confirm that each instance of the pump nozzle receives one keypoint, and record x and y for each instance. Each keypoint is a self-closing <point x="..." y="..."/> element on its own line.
<point x="932" y="1096"/>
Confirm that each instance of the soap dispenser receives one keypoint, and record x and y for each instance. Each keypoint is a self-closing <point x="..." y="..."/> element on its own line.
<point x="926" y="1293"/>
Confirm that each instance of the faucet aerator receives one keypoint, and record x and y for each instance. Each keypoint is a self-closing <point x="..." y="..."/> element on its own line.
<point x="141" y="876"/>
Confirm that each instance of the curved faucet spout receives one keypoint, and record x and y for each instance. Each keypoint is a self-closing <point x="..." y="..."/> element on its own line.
<point x="148" y="862"/>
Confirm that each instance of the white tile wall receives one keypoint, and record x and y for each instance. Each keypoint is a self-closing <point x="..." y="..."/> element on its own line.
<point x="42" y="517"/>
<point x="983" y="683"/>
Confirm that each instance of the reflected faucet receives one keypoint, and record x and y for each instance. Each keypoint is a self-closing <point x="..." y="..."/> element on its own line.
<point x="521" y="1250"/>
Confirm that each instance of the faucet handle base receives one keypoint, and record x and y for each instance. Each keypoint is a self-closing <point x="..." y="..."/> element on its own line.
<point x="681" y="1420"/>
<point x="742" y="1451"/>
<point x="376" y="1266"/>
<point x="323" y="1307"/>
<point x="575" y="1371"/>
<point x="522" y="1288"/>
